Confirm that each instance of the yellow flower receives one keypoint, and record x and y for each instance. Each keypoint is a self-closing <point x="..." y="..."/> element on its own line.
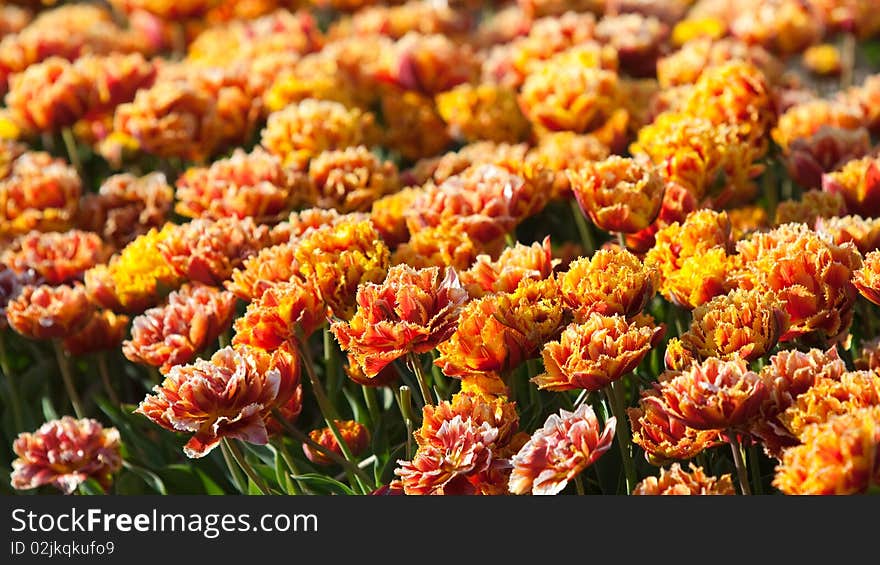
<point x="864" y="233"/>
<point x="273" y="319"/>
<point x="570" y="97"/>
<point x="388" y="215"/>
<point x="413" y="127"/>
<point x="676" y="482"/>
<point x="812" y="276"/>
<point x="499" y="331"/>
<point x="684" y="148"/>
<point x="742" y="323"/>
<point x="612" y="281"/>
<point x="663" y="435"/>
<point x="349" y="179"/>
<point x="483" y="112"/>
<point x="336" y="259"/>
<point x="813" y="204"/>
<point x="692" y="258"/>
<point x="858" y="181"/>
<point x="735" y="93"/>
<point x="301" y="131"/>
<point x="135" y="278"/>
<point x="838" y="456"/>
<point x="412" y="310"/>
<point x="516" y="263"/>
<point x="830" y="396"/>
<point x="619" y="194"/>
<point x="692" y="28"/>
<point x="867" y="278"/>
<point x="822" y="59"/>
<point x="595" y="353"/>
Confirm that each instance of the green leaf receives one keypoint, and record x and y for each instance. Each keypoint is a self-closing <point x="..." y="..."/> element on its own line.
<point x="132" y="427"/>
<point x="185" y="478"/>
<point x="150" y="478"/>
<point x="49" y="412"/>
<point x="323" y="484"/>
<point x="357" y="408"/>
<point x="91" y="487"/>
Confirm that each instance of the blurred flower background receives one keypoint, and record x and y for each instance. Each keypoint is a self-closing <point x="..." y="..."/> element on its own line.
<point x="434" y="247"/>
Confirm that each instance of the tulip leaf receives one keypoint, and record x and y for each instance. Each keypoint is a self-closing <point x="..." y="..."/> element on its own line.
<point x="91" y="487"/>
<point x="323" y="484"/>
<point x="49" y="412"/>
<point x="150" y="478"/>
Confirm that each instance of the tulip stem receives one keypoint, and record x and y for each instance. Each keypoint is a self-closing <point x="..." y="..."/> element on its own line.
<point x="225" y="338"/>
<point x="848" y="56"/>
<point x="155" y="374"/>
<point x="234" y="471"/>
<point x="178" y="40"/>
<point x="616" y="399"/>
<point x="105" y="378"/>
<point x="579" y="485"/>
<point x="252" y="474"/>
<point x="372" y="403"/>
<point x="621" y="240"/>
<point x="335" y="457"/>
<point x="771" y="191"/>
<point x="756" y="470"/>
<point x="324" y="404"/>
<point x="416" y="366"/>
<point x="331" y="365"/>
<point x="586" y="234"/>
<point x="72" y="151"/>
<point x="295" y="485"/>
<point x="67" y="377"/>
<point x="404" y="403"/>
<point x="14" y="395"/>
<point x="741" y="471"/>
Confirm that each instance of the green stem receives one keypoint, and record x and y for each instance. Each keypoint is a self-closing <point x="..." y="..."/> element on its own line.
<point x="15" y="396"/>
<point x="331" y="363"/>
<point x="416" y="366"/>
<point x="771" y="189"/>
<point x="741" y="471"/>
<point x="237" y="478"/>
<point x="583" y="228"/>
<point x="298" y="435"/>
<point x="372" y="403"/>
<point x="757" y="487"/>
<point x="441" y="383"/>
<point x="67" y="377"/>
<point x="848" y="62"/>
<point x="252" y="474"/>
<point x="155" y="375"/>
<point x="325" y="406"/>
<point x="621" y="240"/>
<point x="615" y="395"/>
<point x="225" y="338"/>
<point x="579" y="485"/>
<point x="72" y="151"/>
<point x="105" y="378"/>
<point x="582" y="397"/>
<point x="178" y="40"/>
<point x="295" y="486"/>
<point x="404" y="403"/>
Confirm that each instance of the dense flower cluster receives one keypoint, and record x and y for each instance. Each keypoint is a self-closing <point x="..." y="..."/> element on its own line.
<point x="569" y="224"/>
